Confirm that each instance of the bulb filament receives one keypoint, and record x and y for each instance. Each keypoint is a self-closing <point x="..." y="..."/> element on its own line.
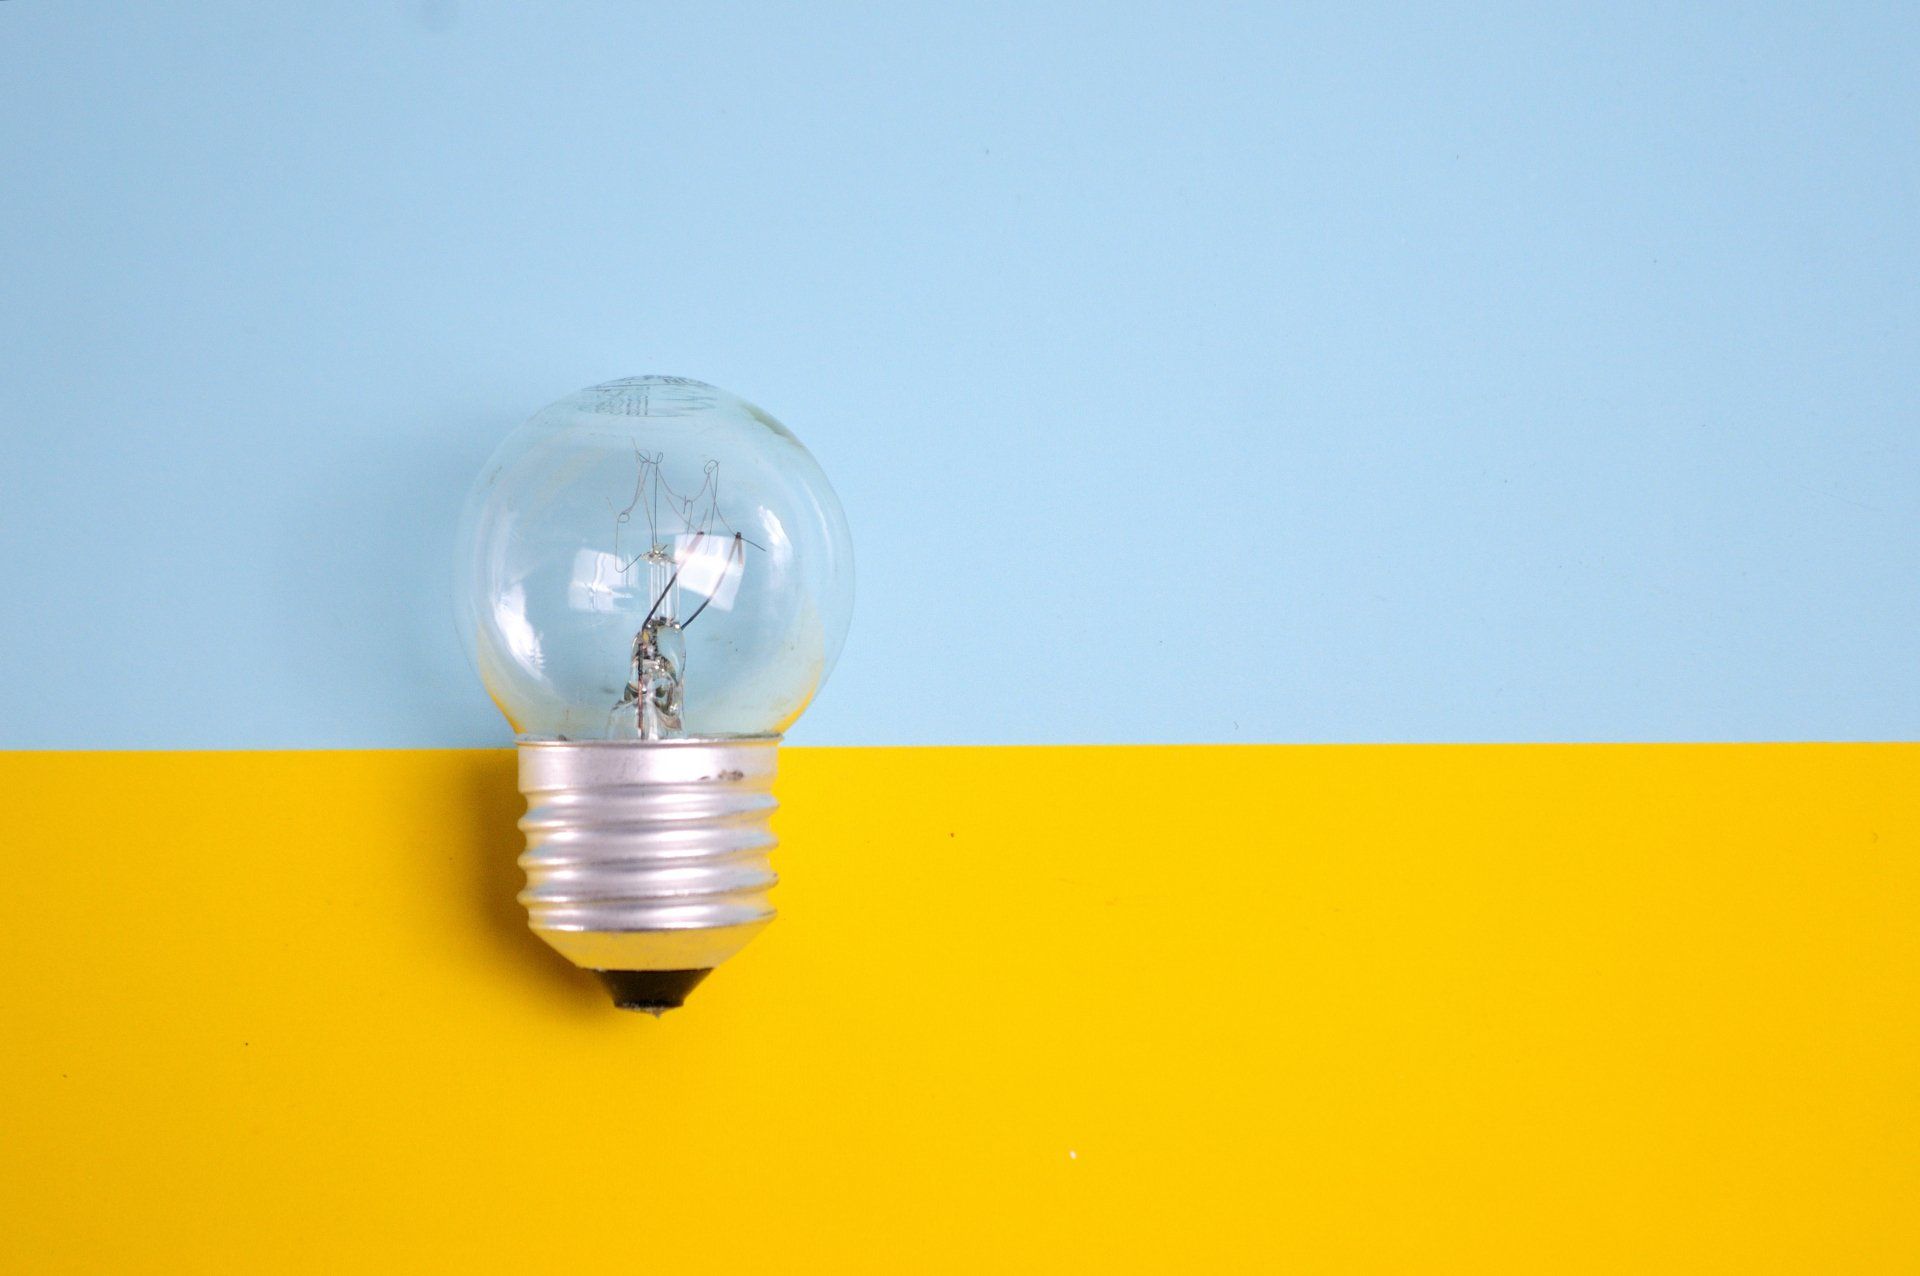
<point x="678" y="531"/>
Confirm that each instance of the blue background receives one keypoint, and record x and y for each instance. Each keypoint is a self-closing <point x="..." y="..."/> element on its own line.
<point x="1188" y="372"/>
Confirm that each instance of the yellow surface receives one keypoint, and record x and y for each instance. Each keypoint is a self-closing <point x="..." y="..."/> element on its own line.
<point x="1545" y="1009"/>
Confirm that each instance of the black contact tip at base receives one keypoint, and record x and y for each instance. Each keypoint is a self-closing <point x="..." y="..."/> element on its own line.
<point x="653" y="991"/>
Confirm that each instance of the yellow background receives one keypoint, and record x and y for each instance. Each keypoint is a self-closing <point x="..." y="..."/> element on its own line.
<point x="1311" y="1009"/>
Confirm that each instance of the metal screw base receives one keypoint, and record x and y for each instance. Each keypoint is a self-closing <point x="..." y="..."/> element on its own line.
<point x="648" y="858"/>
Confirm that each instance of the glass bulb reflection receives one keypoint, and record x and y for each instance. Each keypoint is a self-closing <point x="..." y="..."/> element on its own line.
<point x="653" y="558"/>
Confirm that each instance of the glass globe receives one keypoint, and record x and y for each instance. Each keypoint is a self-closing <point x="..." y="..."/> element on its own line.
<point x="653" y="558"/>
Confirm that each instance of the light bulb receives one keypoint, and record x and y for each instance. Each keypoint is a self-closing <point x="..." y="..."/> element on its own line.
<point x="655" y="580"/>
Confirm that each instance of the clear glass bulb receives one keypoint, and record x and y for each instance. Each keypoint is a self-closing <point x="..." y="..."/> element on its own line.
<point x="649" y="559"/>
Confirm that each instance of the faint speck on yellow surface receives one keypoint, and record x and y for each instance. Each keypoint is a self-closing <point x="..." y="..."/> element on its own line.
<point x="1317" y="1009"/>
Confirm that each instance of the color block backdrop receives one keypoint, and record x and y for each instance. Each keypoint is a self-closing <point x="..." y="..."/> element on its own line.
<point x="1335" y="374"/>
<point x="1200" y="378"/>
